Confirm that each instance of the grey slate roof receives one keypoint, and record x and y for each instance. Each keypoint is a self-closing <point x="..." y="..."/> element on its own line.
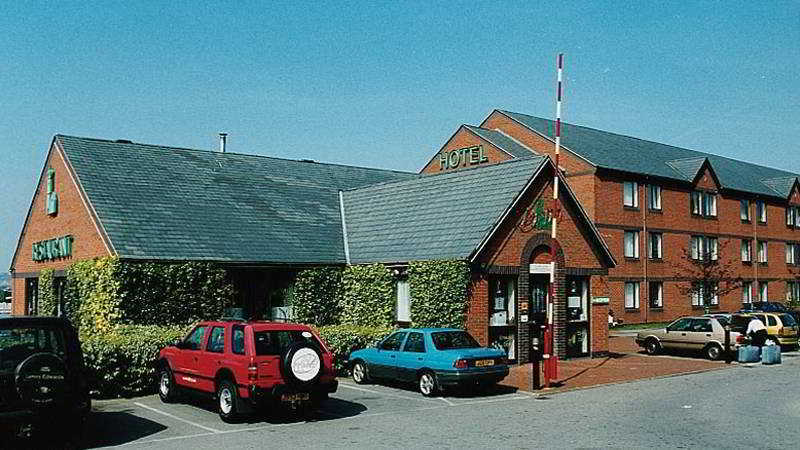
<point x="441" y="216"/>
<point x="503" y="142"/>
<point x="630" y="154"/>
<point x="160" y="202"/>
<point x="687" y="167"/>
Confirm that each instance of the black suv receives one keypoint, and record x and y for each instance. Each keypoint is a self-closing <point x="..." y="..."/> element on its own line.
<point x="773" y="307"/>
<point x="42" y="376"/>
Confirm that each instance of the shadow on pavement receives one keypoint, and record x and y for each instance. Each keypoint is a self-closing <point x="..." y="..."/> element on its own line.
<point x="106" y="428"/>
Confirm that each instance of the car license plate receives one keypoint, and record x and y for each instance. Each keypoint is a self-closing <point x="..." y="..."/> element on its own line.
<point x="484" y="362"/>
<point x="295" y="397"/>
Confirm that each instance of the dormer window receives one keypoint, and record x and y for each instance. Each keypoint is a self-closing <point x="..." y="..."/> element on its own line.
<point x="793" y="216"/>
<point x="704" y="204"/>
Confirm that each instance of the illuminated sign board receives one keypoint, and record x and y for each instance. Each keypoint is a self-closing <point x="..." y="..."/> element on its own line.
<point x="53" y="249"/>
<point x="463" y="157"/>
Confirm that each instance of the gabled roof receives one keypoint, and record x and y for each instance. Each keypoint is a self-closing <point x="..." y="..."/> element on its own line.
<point x="782" y="185"/>
<point x="634" y="155"/>
<point x="447" y="215"/>
<point x="503" y="142"/>
<point x="687" y="168"/>
<point x="158" y="202"/>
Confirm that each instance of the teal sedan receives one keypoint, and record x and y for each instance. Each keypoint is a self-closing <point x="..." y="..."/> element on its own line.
<point x="433" y="358"/>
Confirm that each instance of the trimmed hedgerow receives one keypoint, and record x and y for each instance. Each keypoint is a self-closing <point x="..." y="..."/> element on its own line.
<point x="121" y="362"/>
<point x="439" y="296"/>
<point x="316" y="295"/>
<point x="47" y="294"/>
<point x="345" y="339"/>
<point x="368" y="296"/>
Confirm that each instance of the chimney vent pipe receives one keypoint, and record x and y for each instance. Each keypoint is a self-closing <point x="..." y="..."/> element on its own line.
<point x="223" y="137"/>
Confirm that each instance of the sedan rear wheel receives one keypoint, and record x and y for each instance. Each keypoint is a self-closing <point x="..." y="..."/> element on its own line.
<point x="428" y="385"/>
<point x="713" y="352"/>
<point x="652" y="347"/>
<point x="360" y="375"/>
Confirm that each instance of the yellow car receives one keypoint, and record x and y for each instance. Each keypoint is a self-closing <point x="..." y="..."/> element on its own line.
<point x="781" y="327"/>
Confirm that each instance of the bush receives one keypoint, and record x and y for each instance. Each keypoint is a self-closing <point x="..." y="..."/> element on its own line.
<point x="345" y="339"/>
<point x="439" y="296"/>
<point x="315" y="298"/>
<point x="47" y="293"/>
<point x="368" y="296"/>
<point x="122" y="361"/>
<point x="104" y="292"/>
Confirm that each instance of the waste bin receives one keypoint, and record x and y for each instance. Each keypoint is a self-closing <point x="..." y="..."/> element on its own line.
<point x="771" y="354"/>
<point x="749" y="353"/>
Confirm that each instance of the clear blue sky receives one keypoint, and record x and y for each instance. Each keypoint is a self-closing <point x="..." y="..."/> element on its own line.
<point x="386" y="85"/>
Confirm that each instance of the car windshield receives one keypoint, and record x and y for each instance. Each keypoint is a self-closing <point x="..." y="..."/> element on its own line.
<point x="447" y="340"/>
<point x="722" y="320"/>
<point x="18" y="343"/>
<point x="788" y="320"/>
<point x="275" y="342"/>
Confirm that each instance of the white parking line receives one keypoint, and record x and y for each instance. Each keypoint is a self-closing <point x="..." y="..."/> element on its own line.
<point x="350" y="386"/>
<point x="163" y="413"/>
<point x="447" y="401"/>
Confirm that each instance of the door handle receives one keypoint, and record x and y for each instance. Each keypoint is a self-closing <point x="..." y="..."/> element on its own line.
<point x="419" y="359"/>
<point x="708" y="334"/>
<point x="391" y="356"/>
<point x="683" y="334"/>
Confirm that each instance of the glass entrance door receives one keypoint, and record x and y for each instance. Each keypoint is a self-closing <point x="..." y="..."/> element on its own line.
<point x="577" y="316"/>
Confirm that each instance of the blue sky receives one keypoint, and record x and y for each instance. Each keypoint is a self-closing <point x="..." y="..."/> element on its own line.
<point x="384" y="84"/>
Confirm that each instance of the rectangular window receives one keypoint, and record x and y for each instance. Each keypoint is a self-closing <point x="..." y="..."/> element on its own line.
<point x="714" y="294"/>
<point x="502" y="300"/>
<point x="704" y="247"/>
<point x="632" y="295"/>
<point x="747" y="292"/>
<point x="744" y="210"/>
<point x="792" y="291"/>
<point x="630" y="194"/>
<point x="656" y="294"/>
<point x="763" y="291"/>
<point x="654" y="197"/>
<point x="631" y="244"/>
<point x="761" y="211"/>
<point x="696" y="247"/>
<point x="762" y="251"/>
<point x="403" y="301"/>
<point x="790" y="253"/>
<point x="790" y="216"/>
<point x="655" y="246"/>
<point x="699" y="294"/>
<point x="216" y="340"/>
<point x="746" y="251"/>
<point x="697" y="203"/>
<point x="32" y="296"/>
<point x="712" y="248"/>
<point x="237" y="342"/>
<point x="797" y="216"/>
<point x="709" y="204"/>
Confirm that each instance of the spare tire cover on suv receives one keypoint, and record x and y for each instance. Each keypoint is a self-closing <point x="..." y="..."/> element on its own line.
<point x="302" y="364"/>
<point x="41" y="380"/>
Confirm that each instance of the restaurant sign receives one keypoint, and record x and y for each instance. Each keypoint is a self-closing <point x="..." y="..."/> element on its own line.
<point x="53" y="249"/>
<point x="467" y="156"/>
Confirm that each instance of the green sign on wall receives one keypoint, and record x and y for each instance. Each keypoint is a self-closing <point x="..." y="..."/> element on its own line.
<point x="53" y="249"/>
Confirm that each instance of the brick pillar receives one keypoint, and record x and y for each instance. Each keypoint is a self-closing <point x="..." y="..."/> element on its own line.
<point x="523" y="329"/>
<point x="478" y="313"/>
<point x="560" y="314"/>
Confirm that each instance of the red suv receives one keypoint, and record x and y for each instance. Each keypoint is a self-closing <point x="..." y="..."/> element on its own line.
<point x="245" y="365"/>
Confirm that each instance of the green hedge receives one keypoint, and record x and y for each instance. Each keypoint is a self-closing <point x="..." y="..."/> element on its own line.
<point x="315" y="298"/>
<point x="47" y="293"/>
<point x="368" y="296"/>
<point x="122" y="361"/>
<point x="345" y="339"/>
<point x="104" y="292"/>
<point x="439" y="296"/>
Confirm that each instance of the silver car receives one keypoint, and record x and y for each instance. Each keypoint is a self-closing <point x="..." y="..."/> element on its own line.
<point x="689" y="333"/>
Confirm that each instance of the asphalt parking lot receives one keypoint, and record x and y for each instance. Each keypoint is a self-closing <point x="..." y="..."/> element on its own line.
<point x="145" y="421"/>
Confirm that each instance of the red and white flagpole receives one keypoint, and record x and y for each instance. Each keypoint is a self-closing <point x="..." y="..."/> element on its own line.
<point x="551" y="362"/>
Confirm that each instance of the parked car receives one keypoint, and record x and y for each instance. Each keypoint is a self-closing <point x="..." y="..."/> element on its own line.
<point x="771" y="306"/>
<point x="782" y="329"/>
<point x="433" y="358"/>
<point x="706" y="334"/>
<point x="247" y="366"/>
<point x="42" y="377"/>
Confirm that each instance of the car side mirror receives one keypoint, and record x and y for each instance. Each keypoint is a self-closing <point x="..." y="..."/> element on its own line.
<point x="179" y="344"/>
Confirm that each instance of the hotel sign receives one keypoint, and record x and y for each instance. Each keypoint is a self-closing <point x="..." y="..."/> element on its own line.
<point x="53" y="249"/>
<point x="463" y="157"/>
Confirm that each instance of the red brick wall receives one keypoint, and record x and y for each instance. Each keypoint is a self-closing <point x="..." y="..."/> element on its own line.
<point x="478" y="312"/>
<point x="72" y="219"/>
<point x="464" y="138"/>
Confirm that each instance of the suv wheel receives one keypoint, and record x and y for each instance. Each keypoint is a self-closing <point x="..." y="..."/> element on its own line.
<point x="652" y="347"/>
<point x="360" y="375"/>
<point x="428" y="385"/>
<point x="228" y="401"/>
<point x="713" y="352"/>
<point x="167" y="390"/>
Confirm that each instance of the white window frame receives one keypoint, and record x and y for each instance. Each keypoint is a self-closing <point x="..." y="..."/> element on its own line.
<point x="632" y="300"/>
<point x="654" y="197"/>
<point x="790" y="216"/>
<point x="631" y="236"/>
<point x="696" y="203"/>
<point x="744" y="210"/>
<point x="763" y="251"/>
<point x="763" y="291"/>
<point x="709" y="204"/>
<point x="789" y="253"/>
<point x="403" y="302"/>
<point x="747" y="292"/>
<point x="655" y="251"/>
<point x="747" y="251"/>
<point x="658" y="301"/>
<point x="630" y="194"/>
